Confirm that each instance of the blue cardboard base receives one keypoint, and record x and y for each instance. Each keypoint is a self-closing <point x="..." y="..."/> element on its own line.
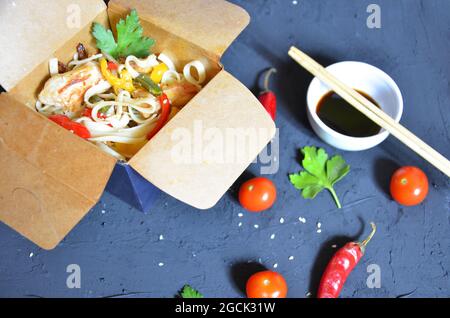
<point x="129" y="186"/>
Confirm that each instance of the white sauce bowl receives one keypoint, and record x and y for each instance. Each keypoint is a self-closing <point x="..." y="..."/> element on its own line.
<point x="363" y="77"/>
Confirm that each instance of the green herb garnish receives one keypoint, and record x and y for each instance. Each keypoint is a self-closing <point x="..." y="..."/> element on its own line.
<point x="130" y="39"/>
<point x="189" y="292"/>
<point x="320" y="173"/>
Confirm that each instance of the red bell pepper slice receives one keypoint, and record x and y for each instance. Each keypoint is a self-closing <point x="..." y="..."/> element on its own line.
<point x="76" y="128"/>
<point x="163" y="117"/>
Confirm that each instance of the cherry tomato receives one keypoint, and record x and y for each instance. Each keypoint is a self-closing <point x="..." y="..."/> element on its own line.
<point x="74" y="127"/>
<point x="409" y="186"/>
<point x="266" y="284"/>
<point x="257" y="194"/>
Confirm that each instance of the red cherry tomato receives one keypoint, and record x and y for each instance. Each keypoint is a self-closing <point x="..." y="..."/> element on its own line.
<point x="257" y="194"/>
<point x="76" y="128"/>
<point x="409" y="186"/>
<point x="266" y="284"/>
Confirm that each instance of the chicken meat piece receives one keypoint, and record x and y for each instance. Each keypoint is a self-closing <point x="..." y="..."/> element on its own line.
<point x="67" y="90"/>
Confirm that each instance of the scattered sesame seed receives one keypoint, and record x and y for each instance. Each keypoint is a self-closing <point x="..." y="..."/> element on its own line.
<point x="302" y="220"/>
<point x="31" y="254"/>
<point x="103" y="211"/>
<point x="275" y="265"/>
<point x="272" y="237"/>
<point x="240" y="224"/>
<point x="256" y="226"/>
<point x="319" y="225"/>
<point x="161" y="237"/>
<point x="282" y="220"/>
<point x="291" y="258"/>
<point x="240" y="215"/>
<point x="161" y="264"/>
<point x="308" y="294"/>
<point x="295" y="2"/>
<point x="334" y="246"/>
<point x="319" y="231"/>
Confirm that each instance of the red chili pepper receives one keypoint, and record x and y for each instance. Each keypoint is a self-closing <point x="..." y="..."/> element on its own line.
<point x="267" y="97"/>
<point x="113" y="66"/>
<point x="163" y="117"/>
<point x="340" y="266"/>
<point x="76" y="128"/>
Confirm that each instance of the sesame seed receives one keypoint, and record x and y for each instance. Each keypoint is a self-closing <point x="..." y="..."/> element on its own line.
<point x="319" y="231"/>
<point x="334" y="246"/>
<point x="31" y="254"/>
<point x="281" y="220"/>
<point x="302" y="220"/>
<point x="319" y="225"/>
<point x="161" y="264"/>
<point x="275" y="265"/>
<point x="272" y="237"/>
<point x="256" y="226"/>
<point x="240" y="215"/>
<point x="240" y="224"/>
<point x="291" y="258"/>
<point x="161" y="237"/>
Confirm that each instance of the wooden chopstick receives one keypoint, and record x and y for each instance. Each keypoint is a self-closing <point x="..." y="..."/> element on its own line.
<point x="372" y="112"/>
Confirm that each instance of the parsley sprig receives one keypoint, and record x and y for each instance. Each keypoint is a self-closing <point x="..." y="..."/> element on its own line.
<point x="320" y="173"/>
<point x="130" y="39"/>
<point x="189" y="292"/>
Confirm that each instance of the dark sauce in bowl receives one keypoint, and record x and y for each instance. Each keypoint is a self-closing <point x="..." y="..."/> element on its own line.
<point x="343" y="118"/>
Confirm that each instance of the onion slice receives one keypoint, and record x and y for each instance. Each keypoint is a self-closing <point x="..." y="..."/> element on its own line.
<point x="200" y="70"/>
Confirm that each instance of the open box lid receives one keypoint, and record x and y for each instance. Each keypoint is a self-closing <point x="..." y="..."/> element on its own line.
<point x="211" y="25"/>
<point x="50" y="178"/>
<point x="201" y="152"/>
<point x="30" y="33"/>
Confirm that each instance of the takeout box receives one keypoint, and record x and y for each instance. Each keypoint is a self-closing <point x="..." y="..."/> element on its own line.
<point x="50" y="178"/>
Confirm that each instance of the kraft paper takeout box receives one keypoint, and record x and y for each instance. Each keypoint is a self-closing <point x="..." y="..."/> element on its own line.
<point x="50" y="178"/>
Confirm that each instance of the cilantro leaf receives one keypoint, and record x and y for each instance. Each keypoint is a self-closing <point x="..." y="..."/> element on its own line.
<point x="130" y="39"/>
<point x="105" y="39"/>
<point x="320" y="173"/>
<point x="189" y="292"/>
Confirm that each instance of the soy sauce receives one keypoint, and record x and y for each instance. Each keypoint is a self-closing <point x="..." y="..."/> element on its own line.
<point x="343" y="118"/>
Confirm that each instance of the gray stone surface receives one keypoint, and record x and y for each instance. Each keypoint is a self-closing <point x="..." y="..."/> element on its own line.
<point x="119" y="249"/>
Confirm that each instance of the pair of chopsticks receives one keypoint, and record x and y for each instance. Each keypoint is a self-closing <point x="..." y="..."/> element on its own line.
<point x="371" y="111"/>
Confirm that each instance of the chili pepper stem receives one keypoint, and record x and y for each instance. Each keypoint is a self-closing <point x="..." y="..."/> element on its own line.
<point x="364" y="243"/>
<point x="267" y="79"/>
<point x="335" y="197"/>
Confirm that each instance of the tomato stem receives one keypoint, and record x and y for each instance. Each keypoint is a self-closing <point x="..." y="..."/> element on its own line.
<point x="267" y="78"/>
<point x="364" y="243"/>
<point x="335" y="197"/>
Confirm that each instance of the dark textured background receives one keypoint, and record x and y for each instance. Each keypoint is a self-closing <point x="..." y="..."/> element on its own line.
<point x="118" y="248"/>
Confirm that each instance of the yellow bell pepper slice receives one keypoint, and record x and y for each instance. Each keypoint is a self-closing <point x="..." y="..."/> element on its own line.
<point x="158" y="72"/>
<point x="125" y="81"/>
